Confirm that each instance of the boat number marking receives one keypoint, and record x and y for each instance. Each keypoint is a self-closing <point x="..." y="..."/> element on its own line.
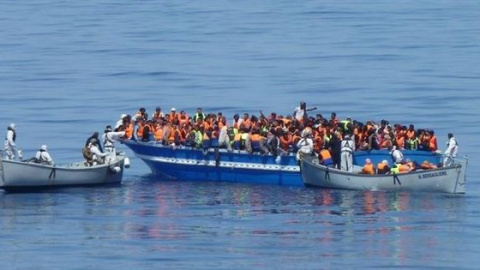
<point x="430" y="175"/>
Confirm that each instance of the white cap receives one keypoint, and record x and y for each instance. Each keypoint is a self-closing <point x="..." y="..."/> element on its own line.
<point x="173" y="109"/>
<point x="43" y="147"/>
<point x="12" y="126"/>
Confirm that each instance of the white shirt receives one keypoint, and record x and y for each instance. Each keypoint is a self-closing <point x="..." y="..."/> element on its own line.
<point x="9" y="138"/>
<point x="96" y="152"/>
<point x="348" y="145"/>
<point x="44" y="157"/>
<point x="223" y="136"/>
<point x="298" y="113"/>
<point x="110" y="137"/>
<point x="452" y="148"/>
<point x="397" y="155"/>
<point x="305" y="145"/>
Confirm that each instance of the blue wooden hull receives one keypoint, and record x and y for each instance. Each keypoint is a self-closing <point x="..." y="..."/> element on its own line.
<point x="184" y="163"/>
<point x="217" y="165"/>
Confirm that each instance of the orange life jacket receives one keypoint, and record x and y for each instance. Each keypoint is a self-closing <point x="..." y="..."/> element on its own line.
<point x="183" y="119"/>
<point x="400" y="140"/>
<point x="432" y="143"/>
<point x="382" y="168"/>
<point x="368" y="169"/>
<point x="410" y="134"/>
<point x="140" y="131"/>
<point x="159" y="134"/>
<point x="129" y="131"/>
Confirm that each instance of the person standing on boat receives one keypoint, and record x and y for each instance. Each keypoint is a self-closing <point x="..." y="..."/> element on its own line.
<point x="10" y="138"/>
<point x="43" y="157"/>
<point x="451" y="152"/>
<point x="223" y="138"/>
<point x="336" y="149"/>
<point x="396" y="154"/>
<point x="300" y="112"/>
<point x="108" y="139"/>
<point x="305" y="144"/>
<point x="348" y="147"/>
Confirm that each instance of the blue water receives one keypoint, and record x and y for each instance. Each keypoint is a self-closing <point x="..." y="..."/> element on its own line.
<point x="68" y="68"/>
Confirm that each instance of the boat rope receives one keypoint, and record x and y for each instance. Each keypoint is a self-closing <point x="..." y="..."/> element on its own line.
<point x="52" y="174"/>
<point x="395" y="180"/>
<point x="217" y="157"/>
<point x="327" y="175"/>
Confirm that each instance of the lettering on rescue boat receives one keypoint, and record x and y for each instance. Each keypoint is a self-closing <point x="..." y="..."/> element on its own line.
<point x="432" y="174"/>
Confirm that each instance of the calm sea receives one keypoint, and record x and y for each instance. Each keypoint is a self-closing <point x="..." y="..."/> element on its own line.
<point x="68" y="68"/>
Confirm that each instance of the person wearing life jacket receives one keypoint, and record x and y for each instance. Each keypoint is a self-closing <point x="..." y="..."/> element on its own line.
<point x="158" y="132"/>
<point x="246" y="122"/>
<point x="411" y="165"/>
<point x="368" y="167"/>
<point x="237" y="141"/>
<point x="199" y="115"/>
<point x="257" y="142"/>
<point x="157" y="114"/>
<point x="405" y="168"/>
<point x="140" y="128"/>
<point x="426" y="165"/>
<point x="206" y="139"/>
<point x="166" y="131"/>
<point x="451" y="151"/>
<point x="395" y="169"/>
<point x="346" y="125"/>
<point x="43" y="157"/>
<point x="236" y="121"/>
<point x="412" y="143"/>
<point x="325" y="158"/>
<point x="140" y="115"/>
<point x="121" y="122"/>
<point x="148" y="131"/>
<point x="10" y="137"/>
<point x="400" y="141"/>
<point x="386" y="142"/>
<point x="411" y="132"/>
<point x="129" y="128"/>
<point x="383" y="167"/>
<point x="346" y="157"/>
<point x="432" y="143"/>
<point x="175" y="135"/>
<point x="172" y="115"/>
<point x="285" y="140"/>
<point x="183" y="118"/>
<point x="108" y="138"/>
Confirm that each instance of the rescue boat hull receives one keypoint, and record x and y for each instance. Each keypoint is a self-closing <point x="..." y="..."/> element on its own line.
<point x="443" y="180"/>
<point x="19" y="175"/>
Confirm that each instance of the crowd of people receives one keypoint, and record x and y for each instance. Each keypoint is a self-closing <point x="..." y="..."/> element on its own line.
<point x="334" y="141"/>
